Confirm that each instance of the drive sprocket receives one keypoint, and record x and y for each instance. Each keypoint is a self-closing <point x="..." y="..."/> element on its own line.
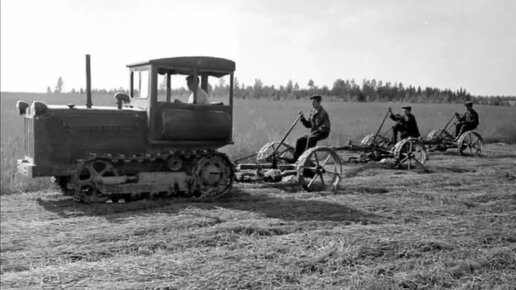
<point x="85" y="180"/>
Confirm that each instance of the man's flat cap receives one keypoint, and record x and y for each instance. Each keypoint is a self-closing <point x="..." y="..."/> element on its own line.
<point x="316" y="97"/>
<point x="468" y="103"/>
<point x="407" y="108"/>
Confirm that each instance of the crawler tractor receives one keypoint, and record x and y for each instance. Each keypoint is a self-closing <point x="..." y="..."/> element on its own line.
<point x="154" y="142"/>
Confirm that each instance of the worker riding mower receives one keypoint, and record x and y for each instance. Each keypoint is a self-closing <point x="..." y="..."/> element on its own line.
<point x="468" y="143"/>
<point x="320" y="168"/>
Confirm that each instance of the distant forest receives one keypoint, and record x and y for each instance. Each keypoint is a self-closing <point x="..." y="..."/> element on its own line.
<point x="350" y="91"/>
<point x="367" y="91"/>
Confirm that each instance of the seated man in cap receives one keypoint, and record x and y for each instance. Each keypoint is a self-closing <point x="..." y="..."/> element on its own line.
<point x="319" y="124"/>
<point x="406" y="125"/>
<point x="468" y="121"/>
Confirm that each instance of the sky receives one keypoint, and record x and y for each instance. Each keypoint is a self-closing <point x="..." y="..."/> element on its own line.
<point x="451" y="44"/>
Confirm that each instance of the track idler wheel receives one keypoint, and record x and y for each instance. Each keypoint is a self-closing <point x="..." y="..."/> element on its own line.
<point x="213" y="175"/>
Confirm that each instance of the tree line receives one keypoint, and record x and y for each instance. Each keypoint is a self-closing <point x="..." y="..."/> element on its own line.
<point x="342" y="90"/>
<point x="366" y="91"/>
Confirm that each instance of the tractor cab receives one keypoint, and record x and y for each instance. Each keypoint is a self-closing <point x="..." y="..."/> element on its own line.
<point x="189" y="100"/>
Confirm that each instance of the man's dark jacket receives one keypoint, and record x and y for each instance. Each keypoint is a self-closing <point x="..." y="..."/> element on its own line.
<point x="408" y="125"/>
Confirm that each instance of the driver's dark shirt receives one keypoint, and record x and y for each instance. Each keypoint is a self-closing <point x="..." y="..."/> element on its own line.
<point x="318" y="122"/>
<point x="471" y="117"/>
<point x="408" y="124"/>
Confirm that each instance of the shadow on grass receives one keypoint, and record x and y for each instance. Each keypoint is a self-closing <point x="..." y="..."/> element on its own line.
<point x="377" y="168"/>
<point x="291" y="208"/>
<point x="450" y="169"/>
<point x="354" y="170"/>
<point x="362" y="190"/>
<point x="454" y="153"/>
<point x="297" y="209"/>
<point x="283" y="186"/>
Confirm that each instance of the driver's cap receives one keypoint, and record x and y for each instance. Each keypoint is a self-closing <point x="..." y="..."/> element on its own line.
<point x="316" y="97"/>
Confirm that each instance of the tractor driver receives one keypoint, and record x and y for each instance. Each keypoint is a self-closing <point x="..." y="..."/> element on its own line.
<point x="406" y="125"/>
<point x="192" y="82"/>
<point x="468" y="121"/>
<point x="319" y="124"/>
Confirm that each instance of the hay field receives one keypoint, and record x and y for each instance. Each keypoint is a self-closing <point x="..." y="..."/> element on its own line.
<point x="449" y="228"/>
<point x="256" y="123"/>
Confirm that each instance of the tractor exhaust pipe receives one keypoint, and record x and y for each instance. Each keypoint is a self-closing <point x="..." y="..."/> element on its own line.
<point x="88" y="83"/>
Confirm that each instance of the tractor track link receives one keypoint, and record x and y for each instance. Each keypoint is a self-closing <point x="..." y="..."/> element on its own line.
<point x="196" y="174"/>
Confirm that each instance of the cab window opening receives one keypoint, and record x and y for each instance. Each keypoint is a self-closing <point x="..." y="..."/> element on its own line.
<point x="174" y="88"/>
<point x="140" y="80"/>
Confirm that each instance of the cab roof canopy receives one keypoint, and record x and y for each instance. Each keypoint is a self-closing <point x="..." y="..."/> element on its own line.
<point x="202" y="65"/>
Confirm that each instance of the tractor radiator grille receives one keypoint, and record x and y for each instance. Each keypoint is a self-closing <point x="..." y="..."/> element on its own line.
<point x="29" y="137"/>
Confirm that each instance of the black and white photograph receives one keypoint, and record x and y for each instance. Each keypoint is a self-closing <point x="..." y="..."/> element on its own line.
<point x="245" y="144"/>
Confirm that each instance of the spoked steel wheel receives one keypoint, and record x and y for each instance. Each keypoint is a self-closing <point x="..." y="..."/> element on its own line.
<point x="470" y="143"/>
<point x="410" y="152"/>
<point x="86" y="178"/>
<point x="319" y="169"/>
<point x="284" y="152"/>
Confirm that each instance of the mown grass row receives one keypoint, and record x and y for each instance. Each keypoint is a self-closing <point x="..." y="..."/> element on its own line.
<point x="385" y="229"/>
